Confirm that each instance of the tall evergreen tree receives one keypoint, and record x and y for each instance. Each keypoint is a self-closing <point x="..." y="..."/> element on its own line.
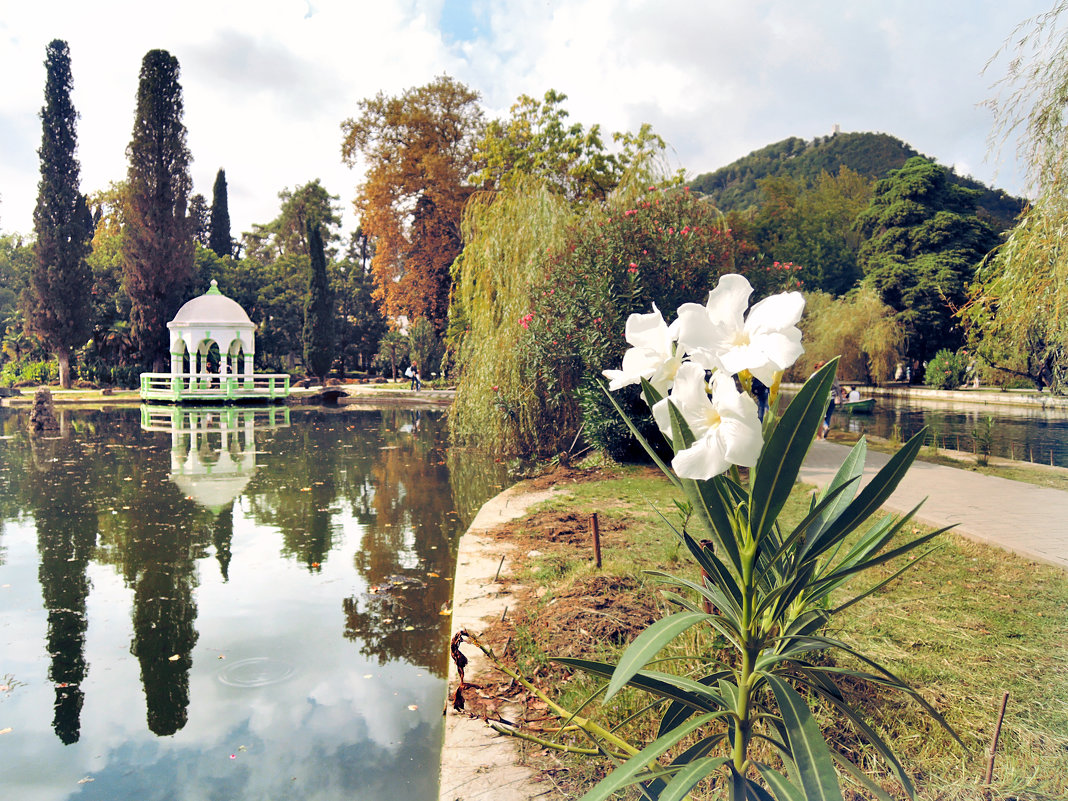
<point x="923" y="242"/>
<point x="61" y="280"/>
<point x="318" y="333"/>
<point x="199" y="219"/>
<point x="158" y="242"/>
<point x="219" y="237"/>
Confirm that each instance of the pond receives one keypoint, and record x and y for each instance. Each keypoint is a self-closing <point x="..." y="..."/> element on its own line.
<point x="228" y="604"/>
<point x="1025" y="433"/>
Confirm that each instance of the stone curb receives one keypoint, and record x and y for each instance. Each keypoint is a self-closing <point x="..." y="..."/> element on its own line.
<point x="477" y="763"/>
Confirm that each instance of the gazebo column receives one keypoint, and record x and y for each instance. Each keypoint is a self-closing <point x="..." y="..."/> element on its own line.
<point x="249" y="380"/>
<point x="176" y="372"/>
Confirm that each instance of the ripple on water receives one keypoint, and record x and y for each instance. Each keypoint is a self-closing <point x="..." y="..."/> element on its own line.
<point x="259" y="671"/>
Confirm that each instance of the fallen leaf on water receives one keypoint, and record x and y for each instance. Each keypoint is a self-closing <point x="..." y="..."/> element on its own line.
<point x="412" y="628"/>
<point x="8" y="730"/>
<point x="413" y="707"/>
<point x="174" y="658"/>
<point x="433" y="575"/>
<point x="86" y="780"/>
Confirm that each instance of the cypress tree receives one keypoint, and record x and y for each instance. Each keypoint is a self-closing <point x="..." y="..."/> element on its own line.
<point x="219" y="237"/>
<point x="60" y="280"/>
<point x="199" y="219"/>
<point x="158" y="242"/>
<point x="318" y="333"/>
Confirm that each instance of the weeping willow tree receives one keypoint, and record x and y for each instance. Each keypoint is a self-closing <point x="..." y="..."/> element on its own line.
<point x="1018" y="309"/>
<point x="858" y="328"/>
<point x="508" y="236"/>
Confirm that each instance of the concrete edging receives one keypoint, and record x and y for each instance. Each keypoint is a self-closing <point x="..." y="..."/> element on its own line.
<point x="477" y="762"/>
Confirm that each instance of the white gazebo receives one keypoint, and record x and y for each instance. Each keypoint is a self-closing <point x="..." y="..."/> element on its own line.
<point x="212" y="320"/>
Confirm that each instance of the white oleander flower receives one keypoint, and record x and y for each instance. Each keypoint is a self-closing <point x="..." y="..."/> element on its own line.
<point x="725" y="425"/>
<point x="719" y="335"/>
<point x="651" y="356"/>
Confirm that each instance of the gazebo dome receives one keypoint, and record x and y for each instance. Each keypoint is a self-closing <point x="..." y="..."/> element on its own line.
<point x="212" y="308"/>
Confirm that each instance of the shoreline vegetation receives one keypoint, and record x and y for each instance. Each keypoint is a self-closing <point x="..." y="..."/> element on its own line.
<point x="399" y="391"/>
<point x="993" y="622"/>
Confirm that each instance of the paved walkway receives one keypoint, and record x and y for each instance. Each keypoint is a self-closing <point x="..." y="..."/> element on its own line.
<point x="1028" y="520"/>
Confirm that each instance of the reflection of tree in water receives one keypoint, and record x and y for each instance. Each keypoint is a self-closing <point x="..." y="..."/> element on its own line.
<point x="161" y="563"/>
<point x="473" y="478"/>
<point x="295" y="490"/>
<point x="65" y="514"/>
<point x="406" y="539"/>
<point x="154" y="537"/>
<point x="222" y="535"/>
<point x="164" y="636"/>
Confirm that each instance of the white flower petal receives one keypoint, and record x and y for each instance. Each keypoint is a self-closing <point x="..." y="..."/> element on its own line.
<point x="648" y="331"/>
<point x="725" y="426"/>
<point x="651" y="356"/>
<point x="776" y="312"/>
<point x="699" y="462"/>
<point x="662" y="417"/>
<point x="781" y="347"/>
<point x="728" y="301"/>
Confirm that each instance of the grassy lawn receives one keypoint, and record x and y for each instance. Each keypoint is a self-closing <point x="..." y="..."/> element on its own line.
<point x="964" y="625"/>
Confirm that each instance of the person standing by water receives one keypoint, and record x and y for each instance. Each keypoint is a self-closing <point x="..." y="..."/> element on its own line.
<point x="836" y="391"/>
<point x="760" y="392"/>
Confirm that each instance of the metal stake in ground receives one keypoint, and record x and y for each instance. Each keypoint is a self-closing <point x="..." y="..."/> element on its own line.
<point x="994" y="741"/>
<point x="596" y="530"/>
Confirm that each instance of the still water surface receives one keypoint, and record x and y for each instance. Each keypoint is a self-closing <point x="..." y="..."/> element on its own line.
<point x="228" y="604"/>
<point x="1024" y="433"/>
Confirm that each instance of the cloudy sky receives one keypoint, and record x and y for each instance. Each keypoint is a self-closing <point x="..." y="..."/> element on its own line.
<point x="267" y="83"/>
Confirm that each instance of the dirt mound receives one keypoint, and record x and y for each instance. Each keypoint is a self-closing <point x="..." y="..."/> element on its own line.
<point x="593" y="611"/>
<point x="545" y="529"/>
<point x="564" y="474"/>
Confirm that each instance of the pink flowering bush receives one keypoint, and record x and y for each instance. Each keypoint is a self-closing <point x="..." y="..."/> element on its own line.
<point x="657" y="246"/>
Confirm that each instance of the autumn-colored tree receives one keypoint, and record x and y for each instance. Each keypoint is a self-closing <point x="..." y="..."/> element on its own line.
<point x="418" y="150"/>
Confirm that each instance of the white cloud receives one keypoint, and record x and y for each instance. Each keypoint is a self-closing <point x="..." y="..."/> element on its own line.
<point x="267" y="84"/>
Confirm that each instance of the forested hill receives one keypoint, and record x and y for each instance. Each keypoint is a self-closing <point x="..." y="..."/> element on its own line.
<point x="734" y="187"/>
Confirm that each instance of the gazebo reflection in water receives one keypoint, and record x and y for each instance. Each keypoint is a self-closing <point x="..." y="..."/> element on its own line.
<point x="212" y="347"/>
<point x="213" y="450"/>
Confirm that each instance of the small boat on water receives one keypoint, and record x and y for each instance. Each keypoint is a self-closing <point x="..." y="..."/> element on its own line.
<point x="865" y="406"/>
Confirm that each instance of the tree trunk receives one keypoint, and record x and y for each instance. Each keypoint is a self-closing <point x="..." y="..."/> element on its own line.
<point x="63" y="356"/>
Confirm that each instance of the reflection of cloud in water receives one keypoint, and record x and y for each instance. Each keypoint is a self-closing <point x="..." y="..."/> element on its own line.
<point x="304" y="767"/>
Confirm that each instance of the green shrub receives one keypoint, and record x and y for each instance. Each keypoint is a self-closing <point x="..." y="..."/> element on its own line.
<point x="645" y="246"/>
<point x="124" y="376"/>
<point x="947" y="370"/>
<point x="36" y="372"/>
